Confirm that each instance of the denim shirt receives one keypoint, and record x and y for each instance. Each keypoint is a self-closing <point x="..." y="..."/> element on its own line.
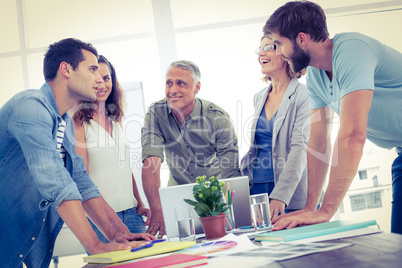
<point x="34" y="180"/>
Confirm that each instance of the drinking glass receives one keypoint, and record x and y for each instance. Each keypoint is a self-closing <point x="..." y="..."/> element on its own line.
<point x="260" y="210"/>
<point x="185" y="222"/>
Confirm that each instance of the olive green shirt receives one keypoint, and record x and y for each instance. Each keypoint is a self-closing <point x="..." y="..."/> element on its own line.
<point x="205" y="144"/>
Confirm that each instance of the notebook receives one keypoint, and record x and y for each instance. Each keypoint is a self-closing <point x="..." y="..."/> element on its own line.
<point x="176" y="260"/>
<point x="174" y="195"/>
<point x="125" y="255"/>
<point x="312" y="230"/>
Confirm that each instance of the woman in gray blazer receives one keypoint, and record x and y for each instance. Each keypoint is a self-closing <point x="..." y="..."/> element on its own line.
<point x="276" y="162"/>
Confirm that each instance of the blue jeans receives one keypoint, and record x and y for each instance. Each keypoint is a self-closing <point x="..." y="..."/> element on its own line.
<point x="396" y="216"/>
<point x="130" y="218"/>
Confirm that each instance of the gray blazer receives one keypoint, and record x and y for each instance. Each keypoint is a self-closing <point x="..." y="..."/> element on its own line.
<point x="289" y="145"/>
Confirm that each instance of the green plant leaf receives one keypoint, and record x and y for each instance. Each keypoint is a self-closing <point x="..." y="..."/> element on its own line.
<point x="224" y="209"/>
<point x="208" y="193"/>
<point x="216" y="194"/>
<point x="201" y="200"/>
<point x="202" y="209"/>
<point x="190" y="202"/>
<point x="196" y="188"/>
<point x="215" y="213"/>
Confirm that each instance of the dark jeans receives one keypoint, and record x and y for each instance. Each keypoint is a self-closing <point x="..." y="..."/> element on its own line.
<point x="396" y="217"/>
<point x="260" y="188"/>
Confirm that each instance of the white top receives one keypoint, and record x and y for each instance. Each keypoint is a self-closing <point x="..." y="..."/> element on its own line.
<point x="60" y="137"/>
<point x="109" y="165"/>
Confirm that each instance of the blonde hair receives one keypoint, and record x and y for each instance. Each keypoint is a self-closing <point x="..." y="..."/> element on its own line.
<point x="289" y="70"/>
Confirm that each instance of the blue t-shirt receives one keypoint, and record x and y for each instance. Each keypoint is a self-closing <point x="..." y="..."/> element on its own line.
<point x="360" y="62"/>
<point x="263" y="168"/>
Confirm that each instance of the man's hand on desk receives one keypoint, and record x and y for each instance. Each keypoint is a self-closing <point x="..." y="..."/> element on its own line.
<point x="300" y="217"/>
<point x="290" y="214"/>
<point x="122" y="241"/>
<point x="101" y="247"/>
<point x="132" y="238"/>
<point x="157" y="224"/>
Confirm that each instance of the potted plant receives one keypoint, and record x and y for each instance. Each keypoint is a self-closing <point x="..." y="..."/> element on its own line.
<point x="209" y="206"/>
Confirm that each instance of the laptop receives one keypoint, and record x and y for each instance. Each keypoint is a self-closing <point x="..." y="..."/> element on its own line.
<point x="174" y="195"/>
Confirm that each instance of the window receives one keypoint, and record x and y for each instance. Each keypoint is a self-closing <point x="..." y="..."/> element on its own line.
<point x="363" y="175"/>
<point x="366" y="201"/>
<point x="374" y="200"/>
<point x="357" y="202"/>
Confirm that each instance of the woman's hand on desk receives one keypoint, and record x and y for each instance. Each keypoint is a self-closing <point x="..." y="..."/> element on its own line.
<point x="300" y="217"/>
<point x="276" y="208"/>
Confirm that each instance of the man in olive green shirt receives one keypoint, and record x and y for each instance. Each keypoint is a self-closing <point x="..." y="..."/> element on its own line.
<point x="196" y="136"/>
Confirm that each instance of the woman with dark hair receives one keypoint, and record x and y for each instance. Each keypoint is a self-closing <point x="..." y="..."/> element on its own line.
<point x="101" y="142"/>
<point x="276" y="161"/>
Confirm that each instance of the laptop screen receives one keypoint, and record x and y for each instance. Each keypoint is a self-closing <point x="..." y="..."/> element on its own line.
<point x="174" y="195"/>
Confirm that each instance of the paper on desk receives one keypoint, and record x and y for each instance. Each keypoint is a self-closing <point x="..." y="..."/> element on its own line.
<point x="345" y="234"/>
<point x="283" y="251"/>
<point x="221" y="259"/>
<point x="241" y="240"/>
<point x="243" y="243"/>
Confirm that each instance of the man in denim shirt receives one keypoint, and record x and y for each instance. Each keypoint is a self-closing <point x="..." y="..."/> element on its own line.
<point x="39" y="189"/>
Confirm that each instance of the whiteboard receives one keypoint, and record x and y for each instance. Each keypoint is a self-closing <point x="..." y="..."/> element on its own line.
<point x="132" y="124"/>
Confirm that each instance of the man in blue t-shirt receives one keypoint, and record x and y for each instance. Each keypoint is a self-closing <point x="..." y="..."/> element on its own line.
<point x="357" y="77"/>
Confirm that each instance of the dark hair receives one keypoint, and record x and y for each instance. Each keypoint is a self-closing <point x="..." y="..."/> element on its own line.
<point x="67" y="50"/>
<point x="114" y="103"/>
<point x="295" y="17"/>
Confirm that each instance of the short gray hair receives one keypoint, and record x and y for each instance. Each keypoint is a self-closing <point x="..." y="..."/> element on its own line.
<point x="187" y="65"/>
